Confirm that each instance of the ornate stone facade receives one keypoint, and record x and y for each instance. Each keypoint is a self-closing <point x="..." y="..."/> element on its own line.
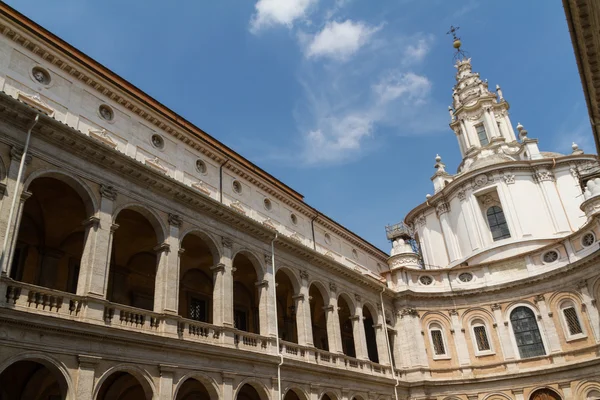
<point x="126" y="276"/>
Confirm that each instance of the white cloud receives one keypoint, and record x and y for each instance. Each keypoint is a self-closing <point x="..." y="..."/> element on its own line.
<point x="343" y="128"/>
<point x="340" y="40"/>
<point x="408" y="86"/>
<point x="279" y="12"/>
<point x="417" y="52"/>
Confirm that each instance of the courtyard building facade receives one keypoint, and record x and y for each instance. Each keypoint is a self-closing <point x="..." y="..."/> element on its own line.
<point x="143" y="259"/>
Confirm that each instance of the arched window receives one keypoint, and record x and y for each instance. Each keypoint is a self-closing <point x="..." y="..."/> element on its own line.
<point x="527" y="333"/>
<point x="497" y="222"/>
<point x="571" y="321"/>
<point x="480" y="337"/>
<point x="438" y="344"/>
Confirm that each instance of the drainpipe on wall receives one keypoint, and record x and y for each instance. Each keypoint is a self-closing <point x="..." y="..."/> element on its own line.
<point x="276" y="319"/>
<point x="221" y="180"/>
<point x="14" y="200"/>
<point x="387" y="342"/>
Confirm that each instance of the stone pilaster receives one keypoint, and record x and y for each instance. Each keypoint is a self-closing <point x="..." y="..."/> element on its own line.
<point x="460" y="341"/>
<point x="591" y="309"/>
<point x="503" y="334"/>
<point x="265" y="317"/>
<point x="85" y="377"/>
<point x="360" y="336"/>
<point x="227" y="387"/>
<point x="163" y="251"/>
<point x="303" y="317"/>
<point x="95" y="261"/>
<point x="167" y="276"/>
<point x="13" y="188"/>
<point x="334" y="330"/>
<point x="165" y="382"/>
<point x="411" y="342"/>
<point x="223" y="287"/>
<point x="382" y="350"/>
<point x="548" y="326"/>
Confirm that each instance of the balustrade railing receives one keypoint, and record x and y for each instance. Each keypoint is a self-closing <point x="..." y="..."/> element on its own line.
<point x="35" y="299"/>
<point x="19" y="294"/>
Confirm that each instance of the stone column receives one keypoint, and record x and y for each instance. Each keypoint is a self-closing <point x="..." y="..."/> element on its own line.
<point x="490" y="121"/>
<point x="303" y="316"/>
<point x="468" y="139"/>
<point x="443" y="210"/>
<point x="590" y="308"/>
<point x="460" y="341"/>
<point x="162" y="260"/>
<point x="95" y="261"/>
<point x="165" y="382"/>
<point x="334" y="331"/>
<point x="227" y="386"/>
<point x="503" y="333"/>
<point x="86" y="377"/>
<point x="358" y="328"/>
<point x="472" y="231"/>
<point x="265" y="317"/>
<point x="167" y="274"/>
<point x="380" y="337"/>
<point x="548" y="325"/>
<point x="412" y="342"/>
<point x="13" y="188"/>
<point x="545" y="180"/>
<point x="10" y="248"/>
<point x="223" y="287"/>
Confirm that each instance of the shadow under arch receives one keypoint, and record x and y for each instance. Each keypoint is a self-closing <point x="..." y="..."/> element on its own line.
<point x="545" y="393"/>
<point x="248" y="281"/>
<point x="286" y="289"/>
<point x="318" y="301"/>
<point x="208" y="240"/>
<point x="119" y="375"/>
<point x="294" y="393"/>
<point x="346" y="315"/>
<point x="208" y="384"/>
<point x="329" y="395"/>
<point x="79" y="186"/>
<point x="59" y="371"/>
<point x="160" y="230"/>
<point x="249" y="389"/>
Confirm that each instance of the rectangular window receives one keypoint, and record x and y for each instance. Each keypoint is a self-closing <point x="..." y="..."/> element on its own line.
<point x="572" y="321"/>
<point x="198" y="310"/>
<point x="482" y="135"/>
<point x="483" y="343"/>
<point x="438" y="342"/>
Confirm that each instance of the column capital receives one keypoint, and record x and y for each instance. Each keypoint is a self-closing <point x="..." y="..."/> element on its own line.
<point x="162" y="248"/>
<point x="354" y="318"/>
<point x="261" y="284"/>
<point x="495" y="307"/>
<point x="220" y="267"/>
<point x="25" y="195"/>
<point x="17" y="152"/>
<point x="358" y="298"/>
<point x="114" y="227"/>
<point x="538" y="298"/>
<point x="108" y="191"/>
<point x="268" y="259"/>
<point x="303" y="274"/>
<point x="175" y="220"/>
<point x="227" y="242"/>
<point x="328" y="308"/>
<point x="333" y="287"/>
<point x="298" y="297"/>
<point x="94" y="222"/>
<point x="452" y="312"/>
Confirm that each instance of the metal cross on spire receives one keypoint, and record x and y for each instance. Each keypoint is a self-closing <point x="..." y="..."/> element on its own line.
<point x="460" y="54"/>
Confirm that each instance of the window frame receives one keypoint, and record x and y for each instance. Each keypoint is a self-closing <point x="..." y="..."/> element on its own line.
<point x="487" y="137"/>
<point x="487" y="220"/>
<point x="436" y="326"/>
<point x="569" y="337"/>
<point x="513" y="338"/>
<point x="478" y="322"/>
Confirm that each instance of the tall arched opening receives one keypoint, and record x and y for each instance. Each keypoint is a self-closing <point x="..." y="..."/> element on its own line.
<point x="346" y="328"/>
<point x="122" y="385"/>
<point x="248" y="392"/>
<point x="196" y="279"/>
<point x="134" y="261"/>
<point x="245" y="294"/>
<point x="545" y="394"/>
<point x="33" y="381"/>
<point x="370" y="335"/>
<point x="286" y="307"/>
<point x="318" y="318"/>
<point x="51" y="236"/>
<point x="193" y="389"/>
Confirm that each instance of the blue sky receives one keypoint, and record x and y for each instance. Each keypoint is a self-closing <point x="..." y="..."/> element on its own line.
<point x="344" y="100"/>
